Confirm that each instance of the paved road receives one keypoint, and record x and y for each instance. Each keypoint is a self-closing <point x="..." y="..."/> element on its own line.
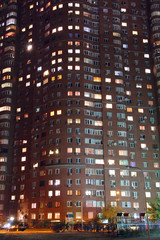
<point x="66" y="236"/>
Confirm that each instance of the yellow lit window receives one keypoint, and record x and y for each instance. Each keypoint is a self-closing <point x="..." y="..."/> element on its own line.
<point x="140" y="110"/>
<point x="30" y="26"/>
<point x="23" y="29"/>
<point x="31" y="6"/>
<point x="59" y="112"/>
<point x="24" y="149"/>
<point x="78" y="192"/>
<point x="57" y="215"/>
<point x="49" y="215"/>
<point x="78" y="150"/>
<point x="97" y="96"/>
<point x="77" y="12"/>
<point x="53" y="78"/>
<point x="46" y="73"/>
<point x="98" y="123"/>
<point x="45" y="81"/>
<point x="134" y="32"/>
<point x="30" y="40"/>
<point x="59" y="52"/>
<point x="78" y="120"/>
<point x="52" y="113"/>
<point x="59" y="77"/>
<point x="22" y="196"/>
<point x="69" y="192"/>
<point x="97" y="79"/>
<point x="54" y="8"/>
<point x="69" y="120"/>
<point x="129" y="109"/>
<point x="59" y="60"/>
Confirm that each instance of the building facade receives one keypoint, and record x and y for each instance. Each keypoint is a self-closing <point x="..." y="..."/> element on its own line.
<point x="79" y="107"/>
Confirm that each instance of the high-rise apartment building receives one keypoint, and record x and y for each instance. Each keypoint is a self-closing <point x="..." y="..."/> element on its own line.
<point x="80" y="96"/>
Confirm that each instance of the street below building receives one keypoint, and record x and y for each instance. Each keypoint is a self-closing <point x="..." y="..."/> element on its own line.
<point x="66" y="236"/>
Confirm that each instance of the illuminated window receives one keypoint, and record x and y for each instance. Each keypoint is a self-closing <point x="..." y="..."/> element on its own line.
<point x="49" y="215"/>
<point x="130" y="118"/>
<point x="70" y="93"/>
<point x="140" y="110"/>
<point x="156" y="165"/>
<point x="22" y="168"/>
<point x="46" y="73"/>
<point x="111" y="162"/>
<point x="146" y="55"/>
<point x="50" y="193"/>
<point x="57" y="192"/>
<point x="148" y="194"/>
<point x="134" y="32"/>
<point x="69" y="150"/>
<point x="118" y="81"/>
<point x="69" y="192"/>
<point x="23" y="159"/>
<point x="149" y="86"/>
<point x="33" y="205"/>
<point x="129" y="109"/>
<point x="57" y="215"/>
<point x="147" y="70"/>
<point x="13" y="197"/>
<point x="123" y="153"/>
<point x="97" y="79"/>
<point x="153" y="128"/>
<point x="112" y="173"/>
<point x="109" y="105"/>
<point x="59" y="112"/>
<point x="142" y="128"/>
<point x="113" y="193"/>
<point x="52" y="113"/>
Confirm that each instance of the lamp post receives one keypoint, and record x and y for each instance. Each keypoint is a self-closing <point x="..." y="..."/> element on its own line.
<point x="145" y="202"/>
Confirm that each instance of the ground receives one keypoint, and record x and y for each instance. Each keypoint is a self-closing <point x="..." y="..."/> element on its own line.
<point x="65" y="235"/>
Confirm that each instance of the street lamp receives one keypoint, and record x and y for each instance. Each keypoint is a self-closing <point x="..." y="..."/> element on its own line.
<point x="144" y="197"/>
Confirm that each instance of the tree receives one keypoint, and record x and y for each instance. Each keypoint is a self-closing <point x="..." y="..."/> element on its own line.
<point x="110" y="213"/>
<point x="154" y="210"/>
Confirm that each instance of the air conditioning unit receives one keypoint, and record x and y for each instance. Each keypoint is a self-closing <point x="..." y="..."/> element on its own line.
<point x="68" y="185"/>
